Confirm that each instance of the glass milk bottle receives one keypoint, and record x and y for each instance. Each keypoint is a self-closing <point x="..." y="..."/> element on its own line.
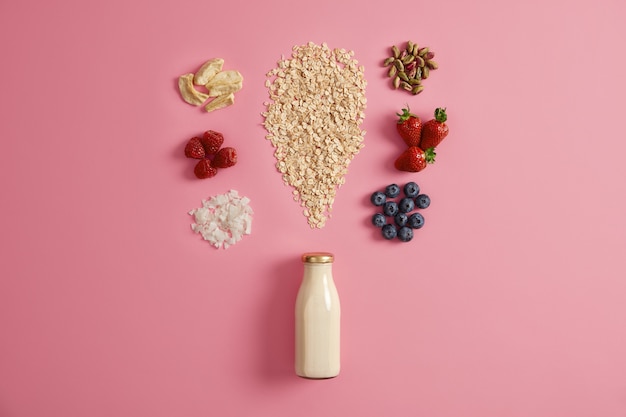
<point x="317" y="319"/>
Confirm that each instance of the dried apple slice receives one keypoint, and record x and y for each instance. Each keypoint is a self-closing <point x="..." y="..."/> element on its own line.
<point x="220" y="102"/>
<point x="189" y="92"/>
<point x="221" y="89"/>
<point x="224" y="77"/>
<point x="207" y="71"/>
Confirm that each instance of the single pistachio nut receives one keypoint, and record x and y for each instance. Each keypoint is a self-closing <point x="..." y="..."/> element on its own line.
<point x="425" y="72"/>
<point x="422" y="51"/>
<point x="409" y="46"/>
<point x="402" y="54"/>
<point x="406" y="85"/>
<point x="415" y="81"/>
<point x="396" y="82"/>
<point x="417" y="89"/>
<point x="432" y="65"/>
<point x="429" y="55"/>
<point x="395" y="51"/>
<point x="392" y="71"/>
<point x="413" y="73"/>
<point x="389" y="61"/>
<point x="403" y="76"/>
<point x="420" y="61"/>
<point x="418" y="72"/>
<point x="408" y="59"/>
<point x="399" y="65"/>
<point x="410" y="66"/>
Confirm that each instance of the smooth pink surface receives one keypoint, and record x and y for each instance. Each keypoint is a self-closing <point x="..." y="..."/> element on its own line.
<point x="510" y="302"/>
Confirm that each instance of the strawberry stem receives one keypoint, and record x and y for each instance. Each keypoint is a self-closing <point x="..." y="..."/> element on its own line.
<point x="405" y="115"/>
<point x="429" y="155"/>
<point x="440" y="114"/>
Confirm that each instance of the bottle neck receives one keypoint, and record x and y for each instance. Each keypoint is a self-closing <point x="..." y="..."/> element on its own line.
<point x="318" y="271"/>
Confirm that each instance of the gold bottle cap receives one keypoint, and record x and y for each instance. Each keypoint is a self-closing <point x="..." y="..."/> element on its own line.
<point x="318" y="257"/>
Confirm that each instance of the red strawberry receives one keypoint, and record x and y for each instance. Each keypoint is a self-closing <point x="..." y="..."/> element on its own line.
<point x="212" y="141"/>
<point x="414" y="159"/>
<point x="204" y="169"/>
<point x="225" y="157"/>
<point x="409" y="127"/>
<point x="194" y="149"/>
<point x="435" y="130"/>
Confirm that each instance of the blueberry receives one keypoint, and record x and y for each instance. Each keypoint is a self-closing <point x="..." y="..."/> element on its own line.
<point x="416" y="221"/>
<point x="422" y="201"/>
<point x="379" y="220"/>
<point x="411" y="189"/>
<point x="406" y="205"/>
<point x="389" y="231"/>
<point x="405" y="234"/>
<point x="390" y="208"/>
<point x="378" y="198"/>
<point x="392" y="190"/>
<point x="401" y="219"/>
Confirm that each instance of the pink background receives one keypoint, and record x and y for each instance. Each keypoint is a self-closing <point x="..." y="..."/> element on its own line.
<point x="510" y="302"/>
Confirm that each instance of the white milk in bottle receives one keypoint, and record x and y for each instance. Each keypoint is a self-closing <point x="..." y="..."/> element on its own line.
<point x="317" y="319"/>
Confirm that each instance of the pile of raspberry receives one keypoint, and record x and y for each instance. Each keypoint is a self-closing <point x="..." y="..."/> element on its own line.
<point x="208" y="149"/>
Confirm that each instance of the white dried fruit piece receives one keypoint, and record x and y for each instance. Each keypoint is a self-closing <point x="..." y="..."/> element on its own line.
<point x="207" y="71"/>
<point x="314" y="123"/>
<point x="224" y="77"/>
<point x="220" y="102"/>
<point x="221" y="89"/>
<point x="189" y="93"/>
<point x="223" y="219"/>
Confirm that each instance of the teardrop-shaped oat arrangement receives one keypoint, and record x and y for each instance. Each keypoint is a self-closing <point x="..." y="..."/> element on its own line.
<point x="314" y="123"/>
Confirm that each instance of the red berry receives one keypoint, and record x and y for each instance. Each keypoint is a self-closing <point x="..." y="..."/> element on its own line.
<point x="212" y="141"/>
<point x="435" y="130"/>
<point x="225" y="157"/>
<point x="414" y="159"/>
<point x="204" y="169"/>
<point x="194" y="149"/>
<point x="409" y="127"/>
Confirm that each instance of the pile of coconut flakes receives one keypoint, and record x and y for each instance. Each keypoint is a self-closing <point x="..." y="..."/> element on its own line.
<point x="223" y="219"/>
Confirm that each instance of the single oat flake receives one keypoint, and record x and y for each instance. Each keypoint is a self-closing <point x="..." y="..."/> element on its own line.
<point x="313" y="120"/>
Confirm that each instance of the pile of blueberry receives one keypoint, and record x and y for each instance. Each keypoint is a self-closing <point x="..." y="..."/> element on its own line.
<point x="399" y="208"/>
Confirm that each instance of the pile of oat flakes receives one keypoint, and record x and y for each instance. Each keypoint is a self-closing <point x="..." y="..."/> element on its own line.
<point x="314" y="123"/>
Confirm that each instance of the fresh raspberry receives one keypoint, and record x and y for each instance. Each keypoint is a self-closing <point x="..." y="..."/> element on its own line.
<point x="225" y="157"/>
<point x="212" y="142"/>
<point x="204" y="169"/>
<point x="194" y="149"/>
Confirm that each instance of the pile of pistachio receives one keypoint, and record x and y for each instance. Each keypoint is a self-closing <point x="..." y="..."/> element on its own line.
<point x="408" y="67"/>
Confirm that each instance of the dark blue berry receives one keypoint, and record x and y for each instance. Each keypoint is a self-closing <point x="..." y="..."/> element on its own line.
<point x="416" y="221"/>
<point x="378" y="198"/>
<point x="406" y="205"/>
<point x="411" y="189"/>
<point x="401" y="219"/>
<point x="392" y="190"/>
<point x="390" y="208"/>
<point x="389" y="231"/>
<point x="422" y="201"/>
<point x="379" y="220"/>
<point x="405" y="234"/>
